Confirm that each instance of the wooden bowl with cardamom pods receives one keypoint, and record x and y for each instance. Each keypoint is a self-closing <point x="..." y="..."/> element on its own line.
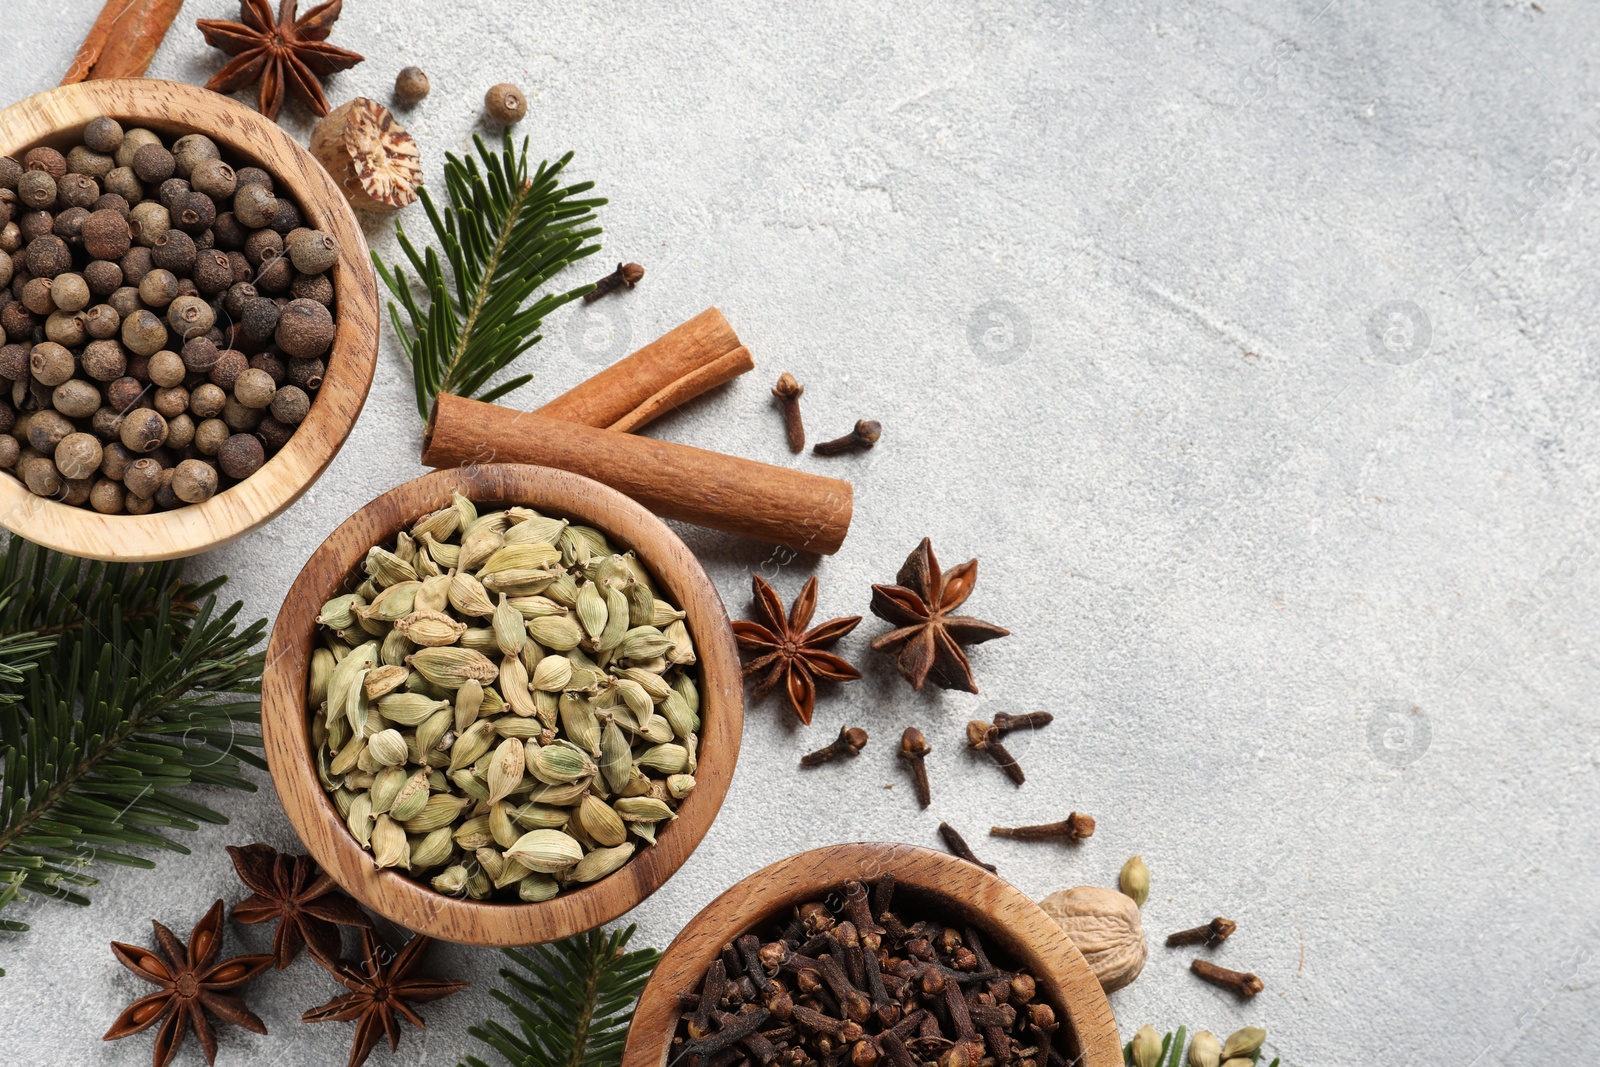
<point x="286" y="719"/>
<point x="928" y="884"/>
<point x="56" y="118"/>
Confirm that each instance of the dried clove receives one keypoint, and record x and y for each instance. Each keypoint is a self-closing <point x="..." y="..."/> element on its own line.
<point x="626" y="275"/>
<point x="850" y="742"/>
<point x="863" y="437"/>
<point x="1032" y="720"/>
<point x="1211" y="933"/>
<point x="788" y="392"/>
<point x="958" y="847"/>
<point x="1075" y="827"/>
<point x="1241" y="982"/>
<point x="985" y="737"/>
<point x="914" y="749"/>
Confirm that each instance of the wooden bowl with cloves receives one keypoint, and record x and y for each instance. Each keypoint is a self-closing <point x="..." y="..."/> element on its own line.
<point x="786" y="954"/>
<point x="549" y="895"/>
<point x="57" y="119"/>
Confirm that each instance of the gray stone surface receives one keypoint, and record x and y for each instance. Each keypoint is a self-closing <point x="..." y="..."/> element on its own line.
<point x="1247" y="344"/>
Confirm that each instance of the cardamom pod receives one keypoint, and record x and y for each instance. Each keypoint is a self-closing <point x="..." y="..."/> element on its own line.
<point x="385" y="787"/>
<point x="536" y="888"/>
<point x="682" y="650"/>
<point x="558" y="765"/>
<point x="452" y="881"/>
<point x="539" y="816"/>
<point x="434" y="849"/>
<point x="1205" y="1050"/>
<point x="560" y="796"/>
<point x="439" y="525"/>
<point x="592" y="609"/>
<point x="389" y="845"/>
<point x="599" y="822"/>
<point x="388" y="569"/>
<point x="638" y="702"/>
<point x="408" y="709"/>
<point x="511" y="873"/>
<point x="663" y="615"/>
<point x="556" y="632"/>
<point x="644" y="642"/>
<point x="430" y="629"/>
<point x="578" y="719"/>
<point x="345" y="682"/>
<point x="479" y="544"/>
<point x="509" y="636"/>
<point x="676" y="711"/>
<point x="680" y="785"/>
<point x="441" y="809"/>
<point x="517" y="581"/>
<point x="520" y="728"/>
<point x="451" y="667"/>
<point x="430" y="737"/>
<point x="1134" y="880"/>
<point x="471" y="743"/>
<point x="359" y="818"/>
<point x="601" y="862"/>
<point x="643" y="809"/>
<point x="321" y="669"/>
<point x="617" y="619"/>
<point x="616" y="757"/>
<point x="473" y="834"/>
<point x="1244" y="1042"/>
<point x="393" y="604"/>
<point x="641" y="603"/>
<point x="667" y="759"/>
<point x="537" y="530"/>
<point x="520" y="557"/>
<point x="1145" y="1049"/>
<point x="690" y="692"/>
<point x="546" y="851"/>
<point x="469" y="702"/>
<point x="506" y="769"/>
<point x="394" y="650"/>
<point x="536" y="607"/>
<point x="381" y="681"/>
<point x="339" y="613"/>
<point x="345" y="760"/>
<point x="408" y="802"/>
<point x="468" y="596"/>
<point x="552" y="674"/>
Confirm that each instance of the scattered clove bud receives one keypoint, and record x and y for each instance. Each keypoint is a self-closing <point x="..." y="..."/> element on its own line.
<point x="1211" y="933"/>
<point x="1241" y="982"/>
<point x="1074" y="827"/>
<point x="626" y="275"/>
<point x="863" y="437"/>
<point x="985" y="737"/>
<point x="914" y="749"/>
<point x="1032" y="720"/>
<point x="788" y="393"/>
<point x="958" y="847"/>
<point x="850" y="742"/>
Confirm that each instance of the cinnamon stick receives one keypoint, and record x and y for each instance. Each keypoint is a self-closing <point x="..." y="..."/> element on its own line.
<point x="805" y="512"/>
<point x="666" y="372"/>
<point x="123" y="40"/>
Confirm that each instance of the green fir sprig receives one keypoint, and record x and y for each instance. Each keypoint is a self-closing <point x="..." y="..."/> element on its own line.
<point x="120" y="685"/>
<point x="571" y="1002"/>
<point x="506" y="233"/>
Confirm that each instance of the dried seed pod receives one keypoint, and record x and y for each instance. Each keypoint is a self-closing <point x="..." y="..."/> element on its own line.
<point x="546" y="851"/>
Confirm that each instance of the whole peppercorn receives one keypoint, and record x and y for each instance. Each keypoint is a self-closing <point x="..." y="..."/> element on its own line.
<point x="114" y="460"/>
<point x="17" y="321"/>
<point x="169" y="403"/>
<point x="273" y="365"/>
<point x="105" y="496"/>
<point x="253" y="204"/>
<point x="305" y="329"/>
<point x="180" y="429"/>
<point x="124" y="300"/>
<point x="191" y="150"/>
<point x="153" y="164"/>
<point x="77" y="456"/>
<point x="104" y="360"/>
<point x="230" y="364"/>
<point x="214" y="178"/>
<point x="10" y="451"/>
<point x="242" y="271"/>
<point x="158" y="288"/>
<point x="143" y="430"/>
<point x="209" y="436"/>
<point x="46" y="429"/>
<point x="36" y="189"/>
<point x="142" y="477"/>
<point x="36" y="224"/>
<point x="47" y="256"/>
<point x="190" y="316"/>
<point x="261" y="246"/>
<point x="36" y="296"/>
<point x="76" y="399"/>
<point x="102" y="322"/>
<point x="274" y="434"/>
<point x="13" y="362"/>
<point x="290" y="405"/>
<point x="70" y="292"/>
<point x="254" y="388"/>
<point x="148" y="221"/>
<point x="312" y="251"/>
<point x="125" y="184"/>
<point x="207" y="401"/>
<point x="143" y="333"/>
<point x="103" y="277"/>
<point x="132" y="141"/>
<point x="40" y="476"/>
<point x="167" y="369"/>
<point x="112" y="202"/>
<point x="165" y="498"/>
<point x="318" y="287"/>
<point x="10" y="171"/>
<point x="77" y="190"/>
<point x="194" y="214"/>
<point x="134" y="505"/>
<point x="228" y="232"/>
<point x="240" y="456"/>
<point x="240" y="417"/>
<point x="286" y="217"/>
<point x="174" y="251"/>
<point x="274" y="275"/>
<point x="106" y="423"/>
<point x="85" y="160"/>
<point x="66" y="328"/>
<point x="240" y="293"/>
<point x="212" y="274"/>
<point x="51" y="364"/>
<point x="194" y="481"/>
<point x="8" y="417"/>
<point x="410" y="86"/>
<point x="306" y="373"/>
<point x="200" y="354"/>
<point x="123" y="393"/>
<point x="103" y="135"/>
<point x="505" y="104"/>
<point x="255" y="176"/>
<point x="46" y="159"/>
<point x="69" y="225"/>
<point x="172" y="190"/>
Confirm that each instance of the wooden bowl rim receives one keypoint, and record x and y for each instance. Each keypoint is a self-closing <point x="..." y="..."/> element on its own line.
<point x="1005" y="914"/>
<point x="353" y="359"/>
<point x="285" y="720"/>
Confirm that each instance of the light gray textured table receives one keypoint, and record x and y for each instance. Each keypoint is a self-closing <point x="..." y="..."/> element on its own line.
<point x="1248" y="345"/>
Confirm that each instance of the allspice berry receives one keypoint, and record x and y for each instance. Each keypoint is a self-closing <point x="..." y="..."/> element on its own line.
<point x="142" y="478"/>
<point x="102" y="322"/>
<point x="103" y="135"/>
<point x="153" y="164"/>
<point x="158" y="288"/>
<point x="78" y="456"/>
<point x="505" y="104"/>
<point x="209" y="436"/>
<point x="47" y="256"/>
<point x="207" y="401"/>
<point x="254" y="388"/>
<point x="104" y="360"/>
<point x="190" y="151"/>
<point x="194" y="481"/>
<point x="180" y="430"/>
<point x="76" y="399"/>
<point x="36" y="190"/>
<point x="10" y="451"/>
<point x="410" y="85"/>
<point x="70" y="292"/>
<point x="305" y="329"/>
<point x="312" y="251"/>
<point x="240" y="456"/>
<point x="167" y="369"/>
<point x="190" y="316"/>
<point x="51" y="364"/>
<point x="123" y="393"/>
<point x="230" y="364"/>
<point x="106" y="496"/>
<point x="143" y="430"/>
<point x="290" y="405"/>
<point x="103" y="276"/>
<point x="214" y="178"/>
<point x="40" y="476"/>
<point x="143" y="333"/>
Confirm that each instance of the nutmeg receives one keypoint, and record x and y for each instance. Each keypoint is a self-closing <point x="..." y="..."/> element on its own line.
<point x="1106" y="927"/>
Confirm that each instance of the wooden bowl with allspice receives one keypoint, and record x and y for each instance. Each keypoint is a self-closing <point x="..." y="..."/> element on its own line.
<point x="502" y="704"/>
<point x="190" y="319"/>
<point x="873" y="955"/>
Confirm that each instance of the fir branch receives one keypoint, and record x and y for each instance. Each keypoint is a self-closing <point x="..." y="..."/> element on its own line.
<point x="505" y="234"/>
<point x="572" y="1002"/>
<point x="129" y="685"/>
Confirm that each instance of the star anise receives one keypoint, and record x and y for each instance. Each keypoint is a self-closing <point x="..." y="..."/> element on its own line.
<point x="790" y="653"/>
<point x="927" y="639"/>
<point x="191" y="986"/>
<point x="380" y="987"/>
<point x="295" y="891"/>
<point x="287" y="55"/>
